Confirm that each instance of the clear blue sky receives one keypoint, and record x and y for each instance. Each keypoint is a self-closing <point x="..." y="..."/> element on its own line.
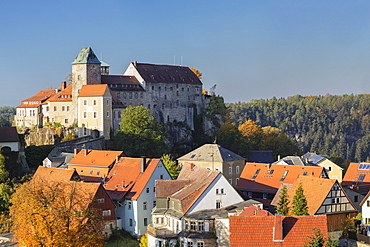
<point x="250" y="49"/>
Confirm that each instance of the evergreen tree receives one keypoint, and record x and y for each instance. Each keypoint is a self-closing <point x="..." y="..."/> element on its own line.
<point x="283" y="203"/>
<point x="299" y="202"/>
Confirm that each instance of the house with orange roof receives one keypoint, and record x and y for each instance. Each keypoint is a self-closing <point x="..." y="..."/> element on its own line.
<point x="95" y="111"/>
<point x="28" y="113"/>
<point x="324" y="196"/>
<point x="195" y="189"/>
<point x="91" y="194"/>
<point x="131" y="185"/>
<point x="277" y="230"/>
<point x="262" y="181"/>
<point x="93" y="163"/>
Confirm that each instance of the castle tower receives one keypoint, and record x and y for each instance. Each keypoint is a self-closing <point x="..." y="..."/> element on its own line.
<point x="85" y="71"/>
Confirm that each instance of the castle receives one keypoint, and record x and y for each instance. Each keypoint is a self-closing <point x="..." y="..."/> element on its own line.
<point x="94" y="99"/>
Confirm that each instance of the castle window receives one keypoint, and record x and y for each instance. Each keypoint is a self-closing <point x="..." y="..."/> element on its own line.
<point x="165" y="89"/>
<point x="66" y="120"/>
<point x="78" y="77"/>
<point x="67" y="108"/>
<point x="95" y="114"/>
<point x="148" y="106"/>
<point x="62" y="108"/>
<point x="136" y="95"/>
<point x="55" y="108"/>
<point x="107" y="101"/>
<point x="141" y="95"/>
<point x="177" y="93"/>
<point x="84" y="114"/>
<point x="107" y="113"/>
<point x="118" y="95"/>
<point x="152" y="87"/>
<point x="237" y="169"/>
<point x="85" y="102"/>
<point x="130" y="95"/>
<point x="165" y="97"/>
<point x="124" y="95"/>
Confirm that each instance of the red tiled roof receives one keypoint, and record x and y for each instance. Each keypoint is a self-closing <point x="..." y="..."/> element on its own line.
<point x="125" y="178"/>
<point x="95" y="158"/>
<point x="62" y="96"/>
<point x="353" y="174"/>
<point x="37" y="99"/>
<point x="258" y="230"/>
<point x="93" y="90"/>
<point x="55" y="174"/>
<point x="8" y="134"/>
<point x="255" y="211"/>
<point x="270" y="176"/>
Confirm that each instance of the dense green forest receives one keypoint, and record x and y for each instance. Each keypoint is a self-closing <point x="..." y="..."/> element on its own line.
<point x="337" y="126"/>
<point x="6" y="116"/>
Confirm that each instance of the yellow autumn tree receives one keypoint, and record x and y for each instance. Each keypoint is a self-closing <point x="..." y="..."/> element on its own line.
<point x="197" y="72"/>
<point x="46" y="213"/>
<point x="253" y="133"/>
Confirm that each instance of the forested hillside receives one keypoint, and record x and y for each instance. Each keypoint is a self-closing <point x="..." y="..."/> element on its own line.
<point x="337" y="126"/>
<point x="6" y="116"/>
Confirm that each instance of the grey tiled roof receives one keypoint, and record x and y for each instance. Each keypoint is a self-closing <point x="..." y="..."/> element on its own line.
<point x="211" y="152"/>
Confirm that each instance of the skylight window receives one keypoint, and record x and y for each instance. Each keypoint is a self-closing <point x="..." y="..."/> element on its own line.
<point x="256" y="173"/>
<point x="304" y="173"/>
<point x="364" y="166"/>
<point x="284" y="176"/>
<point x="192" y="156"/>
<point x="361" y="177"/>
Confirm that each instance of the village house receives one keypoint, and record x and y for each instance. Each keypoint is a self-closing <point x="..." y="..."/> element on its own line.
<point x="94" y="100"/>
<point x="324" y="196"/>
<point x="91" y="164"/>
<point x="261" y="181"/>
<point x="195" y="189"/>
<point x="9" y="139"/>
<point x="216" y="158"/>
<point x="131" y="185"/>
<point x="333" y="170"/>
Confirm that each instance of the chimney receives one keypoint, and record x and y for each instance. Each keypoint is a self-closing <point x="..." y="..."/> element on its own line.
<point x="192" y="166"/>
<point x="76" y="151"/>
<point x="64" y="85"/>
<point x="117" y="158"/>
<point x="135" y="63"/>
<point x="277" y="230"/>
<point x="278" y="156"/>
<point x="142" y="164"/>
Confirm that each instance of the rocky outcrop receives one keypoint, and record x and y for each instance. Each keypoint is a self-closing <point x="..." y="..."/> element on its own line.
<point x="47" y="135"/>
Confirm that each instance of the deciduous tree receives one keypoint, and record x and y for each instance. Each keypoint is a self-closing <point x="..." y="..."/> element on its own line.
<point x="171" y="165"/>
<point x="253" y="132"/>
<point x="55" y="214"/>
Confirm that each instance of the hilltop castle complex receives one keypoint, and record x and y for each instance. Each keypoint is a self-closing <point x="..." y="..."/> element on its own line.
<point x="94" y="99"/>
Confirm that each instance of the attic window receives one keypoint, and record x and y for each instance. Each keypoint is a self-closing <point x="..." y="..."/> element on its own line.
<point x="304" y="173"/>
<point x="271" y="171"/>
<point x="361" y="177"/>
<point x="284" y="175"/>
<point x="192" y="156"/>
<point x="256" y="173"/>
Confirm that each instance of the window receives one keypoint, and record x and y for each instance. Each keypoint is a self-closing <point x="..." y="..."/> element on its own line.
<point x="250" y="194"/>
<point x="255" y="174"/>
<point x="355" y="198"/>
<point x="190" y="244"/>
<point x="106" y="212"/>
<point x="368" y="203"/>
<point x="329" y="168"/>
<point x="107" y="113"/>
<point x="67" y="108"/>
<point x="130" y="95"/>
<point x="361" y="177"/>
<point x="230" y="181"/>
<point x="55" y="108"/>
<point x="222" y="191"/>
<point x="107" y="101"/>
<point x="66" y="120"/>
<point x="145" y="221"/>
<point x="124" y="95"/>
<point x="97" y="173"/>
<point x="85" y="102"/>
<point x="154" y="189"/>
<point x="237" y="180"/>
<point x="101" y="200"/>
<point x="145" y="205"/>
<point x="201" y="226"/>
<point x="84" y="114"/>
<point x="47" y="108"/>
<point x="336" y="187"/>
<point x="335" y="200"/>
<point x="200" y="244"/>
<point x="91" y="172"/>
<point x="63" y="108"/>
<point x="130" y="222"/>
<point x="264" y="196"/>
<point x="216" y="191"/>
<point x="192" y="226"/>
<point x="118" y="95"/>
<point x="94" y="102"/>
<point x="154" y="204"/>
<point x="95" y="114"/>
<point x="161" y="176"/>
<point x="284" y="175"/>
<point x="218" y="204"/>
<point x="129" y="205"/>
<point x="237" y="170"/>
<point x="230" y="170"/>
<point x="147" y="190"/>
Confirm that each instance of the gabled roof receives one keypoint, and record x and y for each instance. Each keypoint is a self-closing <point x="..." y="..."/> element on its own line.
<point x="211" y="153"/>
<point x="93" y="90"/>
<point x="268" y="177"/>
<point x="8" y="134"/>
<point x="255" y="211"/>
<point x="86" y="55"/>
<point x="259" y="230"/>
<point x="56" y="174"/>
<point x="313" y="157"/>
<point x="95" y="158"/>
<point x="155" y="73"/>
<point x="293" y="161"/>
<point x="62" y="96"/>
<point x="37" y="99"/>
<point x="357" y="173"/>
<point x="192" y="182"/>
<point x="126" y="180"/>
